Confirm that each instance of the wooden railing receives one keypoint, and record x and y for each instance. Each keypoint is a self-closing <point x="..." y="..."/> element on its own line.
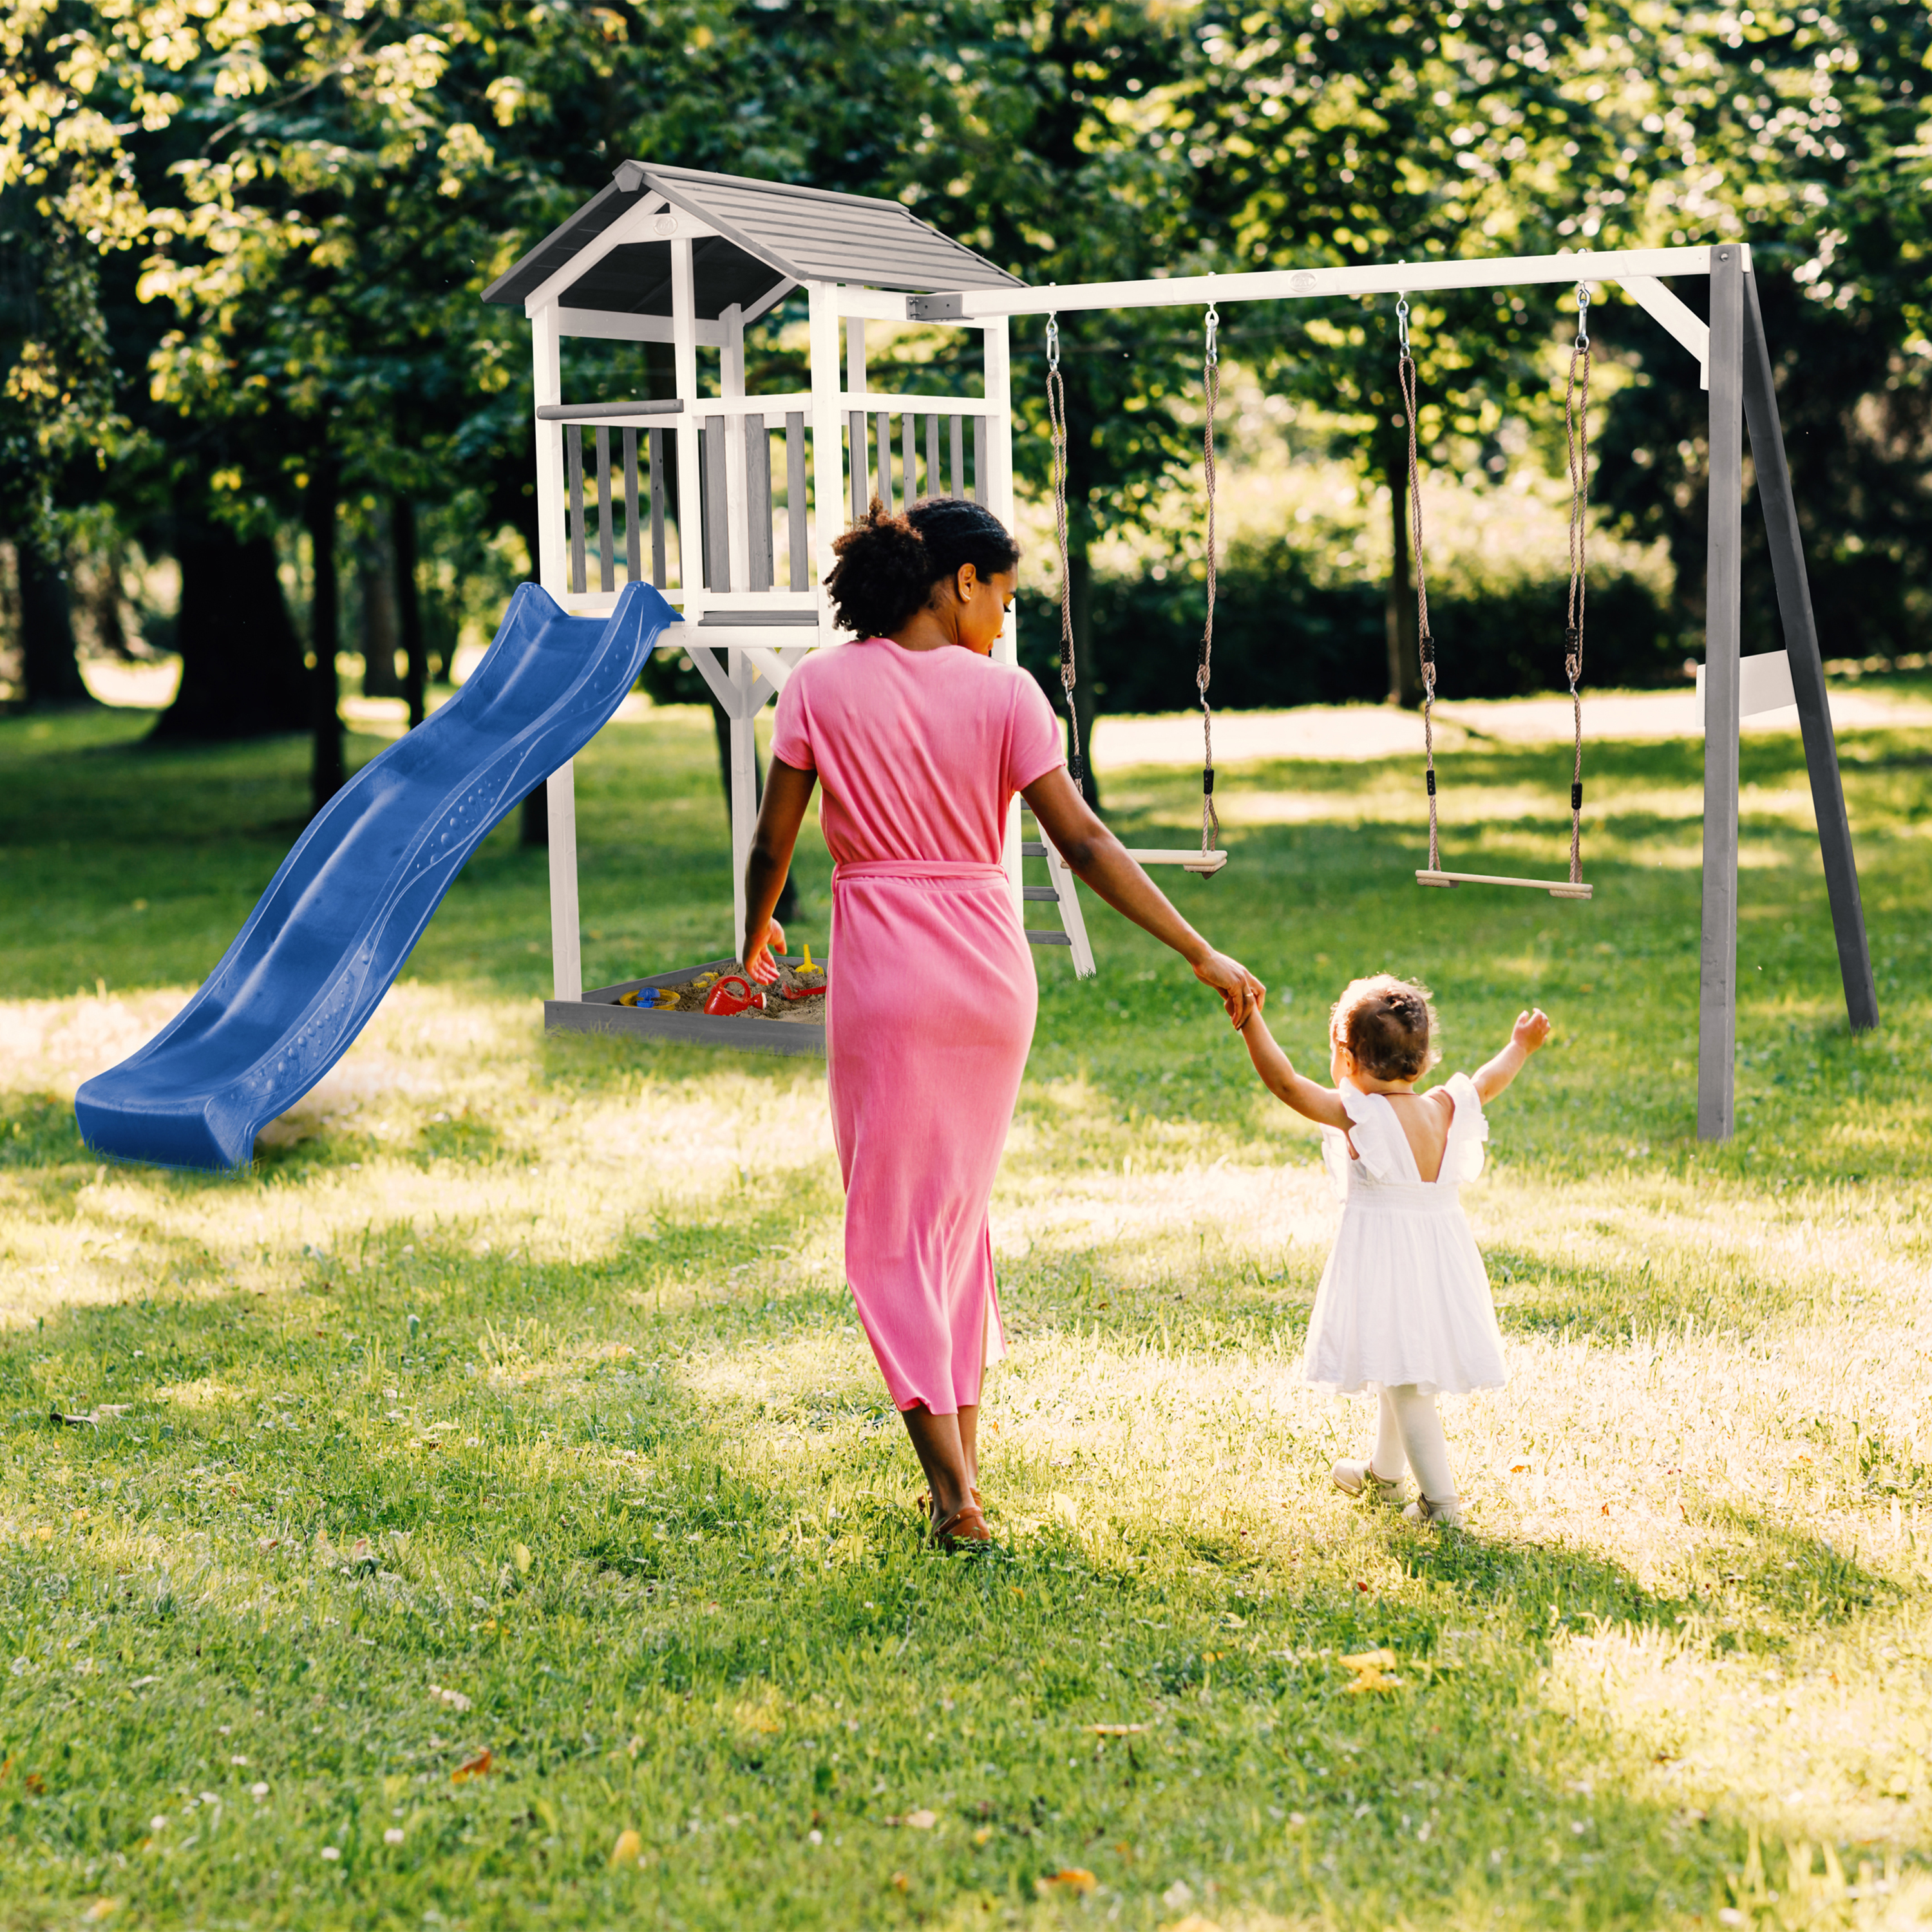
<point x="625" y="483"/>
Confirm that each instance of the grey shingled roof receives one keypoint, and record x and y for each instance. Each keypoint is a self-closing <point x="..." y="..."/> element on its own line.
<point x="768" y="231"/>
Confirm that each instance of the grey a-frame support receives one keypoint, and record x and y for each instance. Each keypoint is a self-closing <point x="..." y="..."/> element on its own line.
<point x="1741" y="393"/>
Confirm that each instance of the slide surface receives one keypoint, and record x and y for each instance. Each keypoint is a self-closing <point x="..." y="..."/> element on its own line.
<point x="338" y="919"/>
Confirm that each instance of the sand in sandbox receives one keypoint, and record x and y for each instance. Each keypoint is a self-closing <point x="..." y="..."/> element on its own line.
<point x="777" y="1008"/>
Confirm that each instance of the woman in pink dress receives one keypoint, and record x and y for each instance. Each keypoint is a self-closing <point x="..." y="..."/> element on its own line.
<point x="921" y="740"/>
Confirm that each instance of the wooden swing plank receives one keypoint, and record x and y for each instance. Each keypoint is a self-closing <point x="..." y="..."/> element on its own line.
<point x="1207" y="864"/>
<point x="1557" y="888"/>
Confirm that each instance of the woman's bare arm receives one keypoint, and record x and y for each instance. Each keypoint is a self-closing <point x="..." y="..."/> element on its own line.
<point x="788" y="793"/>
<point x="1320" y="1104"/>
<point x="1099" y="860"/>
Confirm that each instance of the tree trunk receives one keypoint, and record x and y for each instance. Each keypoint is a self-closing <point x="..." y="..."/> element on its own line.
<point x="326" y="771"/>
<point x="787" y="908"/>
<point x="241" y="661"/>
<point x="533" y="822"/>
<point x="1404" y="673"/>
<point x="375" y="586"/>
<point x="50" y="673"/>
<point x="409" y="608"/>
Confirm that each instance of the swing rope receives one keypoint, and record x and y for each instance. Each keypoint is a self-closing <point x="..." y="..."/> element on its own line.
<point x="1425" y="644"/>
<point x="1577" y="430"/>
<point x="1210" y="379"/>
<point x="1056" y="421"/>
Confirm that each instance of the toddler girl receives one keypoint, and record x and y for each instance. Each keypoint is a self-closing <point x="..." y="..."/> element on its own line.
<point x="1404" y="1302"/>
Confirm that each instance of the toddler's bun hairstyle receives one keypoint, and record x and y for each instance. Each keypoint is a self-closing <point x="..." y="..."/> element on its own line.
<point x="887" y="565"/>
<point x="1388" y="1025"/>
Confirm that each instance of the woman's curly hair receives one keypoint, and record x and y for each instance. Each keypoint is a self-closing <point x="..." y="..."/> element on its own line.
<point x="887" y="565"/>
<point x="1388" y="1025"/>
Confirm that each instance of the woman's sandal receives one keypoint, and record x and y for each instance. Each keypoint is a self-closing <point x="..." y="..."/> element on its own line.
<point x="965" y="1526"/>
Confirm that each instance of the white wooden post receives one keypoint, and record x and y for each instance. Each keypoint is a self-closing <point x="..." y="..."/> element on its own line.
<point x="860" y="477"/>
<point x="690" y="500"/>
<point x="996" y="493"/>
<point x="744" y="788"/>
<point x="552" y="569"/>
<point x="828" y="474"/>
<point x="549" y="565"/>
<point x="737" y="504"/>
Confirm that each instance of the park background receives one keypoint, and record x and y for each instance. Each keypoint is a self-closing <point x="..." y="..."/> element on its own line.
<point x="484" y="1511"/>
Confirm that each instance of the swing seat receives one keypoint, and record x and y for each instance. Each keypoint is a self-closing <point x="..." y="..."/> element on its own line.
<point x="1557" y="888"/>
<point x="1204" y="865"/>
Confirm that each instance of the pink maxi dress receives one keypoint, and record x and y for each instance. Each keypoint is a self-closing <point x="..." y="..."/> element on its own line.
<point x="931" y="1007"/>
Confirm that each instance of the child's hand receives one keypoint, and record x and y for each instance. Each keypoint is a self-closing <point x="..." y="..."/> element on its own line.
<point x="1530" y="1031"/>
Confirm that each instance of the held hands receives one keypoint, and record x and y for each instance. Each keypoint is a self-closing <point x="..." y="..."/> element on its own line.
<point x="1530" y="1031"/>
<point x="758" y="953"/>
<point x="1241" y="993"/>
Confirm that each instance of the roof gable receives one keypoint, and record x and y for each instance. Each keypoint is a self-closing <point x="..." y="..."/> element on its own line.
<point x="768" y="232"/>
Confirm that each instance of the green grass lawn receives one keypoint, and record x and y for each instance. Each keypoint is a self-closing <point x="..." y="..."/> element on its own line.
<point x="499" y="1521"/>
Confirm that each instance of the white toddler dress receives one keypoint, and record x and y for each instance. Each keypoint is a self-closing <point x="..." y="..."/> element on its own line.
<point x="1405" y="1297"/>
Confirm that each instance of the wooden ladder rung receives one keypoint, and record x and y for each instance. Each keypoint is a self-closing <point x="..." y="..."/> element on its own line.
<point x="1557" y="888"/>
<point x="1045" y="893"/>
<point x="1035" y="937"/>
<point x="1032" y="848"/>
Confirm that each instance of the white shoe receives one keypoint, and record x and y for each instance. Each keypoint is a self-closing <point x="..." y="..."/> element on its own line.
<point x="1449" y="1511"/>
<point x="1353" y="1478"/>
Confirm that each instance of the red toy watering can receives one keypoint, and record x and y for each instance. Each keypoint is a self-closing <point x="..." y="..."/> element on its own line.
<point x="734" y="994"/>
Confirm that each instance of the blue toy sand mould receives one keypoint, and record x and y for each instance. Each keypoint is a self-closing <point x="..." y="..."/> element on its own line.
<point x="339" y="917"/>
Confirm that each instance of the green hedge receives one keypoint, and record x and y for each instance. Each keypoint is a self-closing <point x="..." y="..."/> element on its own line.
<point x="1281" y="638"/>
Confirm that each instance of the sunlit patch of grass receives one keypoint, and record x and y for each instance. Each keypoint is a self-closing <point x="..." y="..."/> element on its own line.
<point x="514" y="1402"/>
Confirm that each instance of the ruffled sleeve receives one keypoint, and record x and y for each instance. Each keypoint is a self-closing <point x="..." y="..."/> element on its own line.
<point x="1468" y="1129"/>
<point x="1380" y="1145"/>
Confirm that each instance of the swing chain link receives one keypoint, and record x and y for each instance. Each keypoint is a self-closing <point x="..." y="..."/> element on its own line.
<point x="1056" y="418"/>
<point x="1425" y="643"/>
<point x="1576" y="434"/>
<point x="1211" y="377"/>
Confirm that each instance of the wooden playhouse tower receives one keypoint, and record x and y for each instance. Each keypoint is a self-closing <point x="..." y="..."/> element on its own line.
<point x="728" y="501"/>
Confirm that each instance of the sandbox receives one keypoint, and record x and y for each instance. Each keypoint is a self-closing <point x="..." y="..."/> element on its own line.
<point x="782" y="1026"/>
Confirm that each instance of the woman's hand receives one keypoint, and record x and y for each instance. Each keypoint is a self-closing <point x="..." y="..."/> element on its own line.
<point x="758" y="953"/>
<point x="1241" y="993"/>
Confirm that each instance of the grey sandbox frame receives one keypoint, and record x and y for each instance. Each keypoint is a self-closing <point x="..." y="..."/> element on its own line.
<point x="597" y="1012"/>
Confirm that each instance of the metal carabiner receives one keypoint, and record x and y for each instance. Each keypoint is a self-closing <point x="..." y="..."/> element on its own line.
<point x="1214" y="323"/>
<point x="1401" y="322"/>
<point x="1053" y="339"/>
<point x="1582" y="315"/>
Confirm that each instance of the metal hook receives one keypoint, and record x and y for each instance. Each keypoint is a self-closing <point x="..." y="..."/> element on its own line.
<point x="1053" y="339"/>
<point x="1402" y="322"/>
<point x="1582" y="315"/>
<point x="1214" y="323"/>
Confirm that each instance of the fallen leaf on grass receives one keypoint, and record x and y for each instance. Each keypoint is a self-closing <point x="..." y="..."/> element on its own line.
<point x="628" y="1846"/>
<point x="921" y="1820"/>
<point x="1117" y="1730"/>
<point x="479" y="1766"/>
<point x="1073" y="1878"/>
<point x="36" y="1783"/>
<point x="900" y="1881"/>
<point x="101" y="1908"/>
<point x="1194" y="1922"/>
<point x="1370" y="1668"/>
<point x="520" y="1555"/>
<point x="454" y="1699"/>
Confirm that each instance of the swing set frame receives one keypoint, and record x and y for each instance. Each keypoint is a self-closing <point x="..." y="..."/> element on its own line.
<point x="1735" y="368"/>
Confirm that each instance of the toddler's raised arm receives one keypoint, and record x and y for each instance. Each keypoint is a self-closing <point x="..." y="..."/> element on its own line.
<point x="1530" y="1031"/>
<point x="1320" y="1104"/>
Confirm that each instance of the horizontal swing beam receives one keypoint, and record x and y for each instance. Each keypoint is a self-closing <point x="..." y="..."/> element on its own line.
<point x="1557" y="888"/>
<point x="1612" y="265"/>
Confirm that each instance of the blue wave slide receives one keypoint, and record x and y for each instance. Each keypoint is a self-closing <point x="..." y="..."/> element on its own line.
<point x="338" y="919"/>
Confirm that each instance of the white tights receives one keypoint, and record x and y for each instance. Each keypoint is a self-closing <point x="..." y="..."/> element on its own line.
<point x="1408" y="1436"/>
